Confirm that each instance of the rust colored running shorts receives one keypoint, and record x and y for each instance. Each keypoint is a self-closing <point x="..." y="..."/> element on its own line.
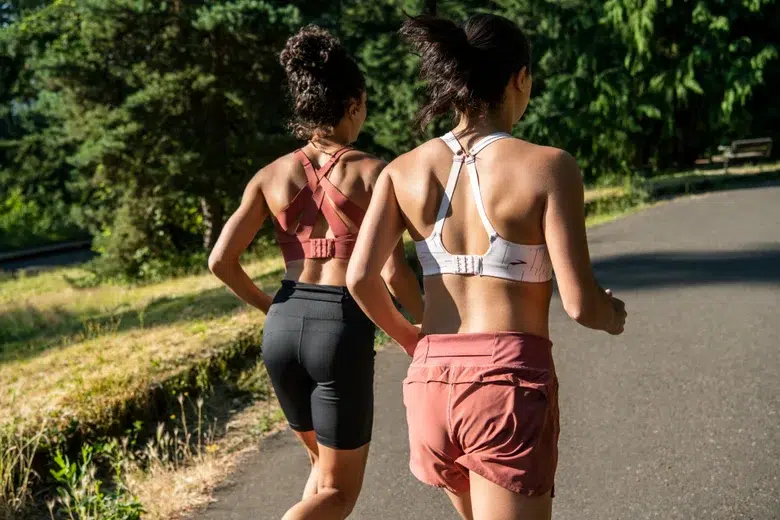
<point x="486" y="403"/>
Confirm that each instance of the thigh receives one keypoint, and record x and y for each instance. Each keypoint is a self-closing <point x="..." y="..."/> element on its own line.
<point x="339" y="357"/>
<point x="490" y="501"/>
<point x="291" y="382"/>
<point x="462" y="503"/>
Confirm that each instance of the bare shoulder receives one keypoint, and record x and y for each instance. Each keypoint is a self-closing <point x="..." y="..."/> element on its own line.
<point x="369" y="166"/>
<point x="552" y="165"/>
<point x="274" y="170"/>
<point x="407" y="166"/>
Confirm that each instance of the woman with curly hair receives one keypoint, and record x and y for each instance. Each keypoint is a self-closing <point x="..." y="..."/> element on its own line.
<point x="318" y="346"/>
<point x="492" y="216"/>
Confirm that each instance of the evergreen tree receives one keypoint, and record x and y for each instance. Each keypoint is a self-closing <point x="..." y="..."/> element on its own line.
<point x="172" y="103"/>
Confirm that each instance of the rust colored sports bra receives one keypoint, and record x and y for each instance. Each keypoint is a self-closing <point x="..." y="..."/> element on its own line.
<point x="295" y="224"/>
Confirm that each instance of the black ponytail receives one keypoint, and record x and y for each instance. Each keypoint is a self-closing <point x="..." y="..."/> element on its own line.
<point x="465" y="67"/>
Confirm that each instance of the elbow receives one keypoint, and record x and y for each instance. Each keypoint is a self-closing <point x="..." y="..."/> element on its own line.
<point x="356" y="279"/>
<point x="576" y="309"/>
<point x="218" y="264"/>
<point x="361" y="280"/>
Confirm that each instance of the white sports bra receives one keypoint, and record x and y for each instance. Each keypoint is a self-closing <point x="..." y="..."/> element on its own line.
<point x="503" y="259"/>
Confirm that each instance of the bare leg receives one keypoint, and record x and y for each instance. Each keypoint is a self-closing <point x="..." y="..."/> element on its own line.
<point x="339" y="481"/>
<point x="309" y="440"/>
<point x="462" y="503"/>
<point x="492" y="502"/>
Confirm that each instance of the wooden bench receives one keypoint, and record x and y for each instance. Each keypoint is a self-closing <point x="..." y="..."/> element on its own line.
<point x="743" y="149"/>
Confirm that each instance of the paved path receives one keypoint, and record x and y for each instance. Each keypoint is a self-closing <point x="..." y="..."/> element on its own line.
<point x="47" y="260"/>
<point x="677" y="419"/>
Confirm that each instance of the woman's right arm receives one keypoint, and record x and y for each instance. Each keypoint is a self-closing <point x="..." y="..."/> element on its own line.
<point x="402" y="283"/>
<point x="238" y="233"/>
<point x="564" y="228"/>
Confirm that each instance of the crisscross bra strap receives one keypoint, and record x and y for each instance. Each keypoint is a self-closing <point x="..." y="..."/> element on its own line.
<point x="321" y="186"/>
<point x="318" y="196"/>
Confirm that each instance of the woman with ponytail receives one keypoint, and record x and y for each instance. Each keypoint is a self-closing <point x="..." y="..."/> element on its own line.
<point x="318" y="346"/>
<point x="492" y="217"/>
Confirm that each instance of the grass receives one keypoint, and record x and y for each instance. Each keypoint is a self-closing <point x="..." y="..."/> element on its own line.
<point x="192" y="482"/>
<point x="76" y="355"/>
<point x="603" y="204"/>
<point x="16" y="461"/>
<point x="681" y="181"/>
<point x="74" y="361"/>
<point x="592" y="194"/>
<point x="738" y="170"/>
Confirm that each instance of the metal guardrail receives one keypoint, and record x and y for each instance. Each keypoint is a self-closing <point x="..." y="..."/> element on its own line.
<point x="62" y="247"/>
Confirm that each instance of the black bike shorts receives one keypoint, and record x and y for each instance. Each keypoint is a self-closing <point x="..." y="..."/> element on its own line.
<point x="318" y="348"/>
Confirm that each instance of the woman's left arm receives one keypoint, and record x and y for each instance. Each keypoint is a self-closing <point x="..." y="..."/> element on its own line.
<point x="379" y="235"/>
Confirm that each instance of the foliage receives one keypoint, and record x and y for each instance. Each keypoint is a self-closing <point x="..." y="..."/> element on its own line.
<point x="142" y="121"/>
<point x="624" y="88"/>
<point x="170" y="120"/>
<point x="124" y="465"/>
<point x="25" y="223"/>
<point x="81" y="493"/>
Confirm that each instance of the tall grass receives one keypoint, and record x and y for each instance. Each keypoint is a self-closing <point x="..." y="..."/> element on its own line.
<point x="110" y="477"/>
<point x="16" y="470"/>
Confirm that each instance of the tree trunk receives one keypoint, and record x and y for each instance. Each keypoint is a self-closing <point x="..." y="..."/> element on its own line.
<point x="213" y="219"/>
<point x="430" y="7"/>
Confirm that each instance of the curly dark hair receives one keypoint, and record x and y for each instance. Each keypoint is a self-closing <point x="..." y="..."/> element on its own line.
<point x="323" y="80"/>
<point x="466" y="67"/>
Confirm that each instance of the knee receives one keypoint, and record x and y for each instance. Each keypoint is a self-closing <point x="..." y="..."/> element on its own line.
<point x="343" y="500"/>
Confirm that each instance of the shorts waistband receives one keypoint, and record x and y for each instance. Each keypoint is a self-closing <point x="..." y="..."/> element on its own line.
<point x="482" y="348"/>
<point x="310" y="291"/>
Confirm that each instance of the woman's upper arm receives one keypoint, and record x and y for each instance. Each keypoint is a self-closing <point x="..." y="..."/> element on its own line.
<point x="381" y="229"/>
<point x="564" y="229"/>
<point x="242" y="226"/>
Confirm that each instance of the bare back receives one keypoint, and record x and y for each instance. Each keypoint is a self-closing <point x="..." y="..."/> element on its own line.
<point x="354" y="175"/>
<point x="513" y="185"/>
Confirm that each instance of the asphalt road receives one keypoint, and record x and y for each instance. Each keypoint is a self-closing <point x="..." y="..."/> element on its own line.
<point x="679" y="418"/>
<point x="48" y="261"/>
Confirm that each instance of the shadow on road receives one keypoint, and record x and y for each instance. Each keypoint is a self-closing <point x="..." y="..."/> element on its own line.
<point x="43" y="263"/>
<point x="656" y="270"/>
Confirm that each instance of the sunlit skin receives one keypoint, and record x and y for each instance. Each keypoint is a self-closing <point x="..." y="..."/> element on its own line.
<point x="337" y="475"/>
<point x="533" y="195"/>
<point x="272" y="189"/>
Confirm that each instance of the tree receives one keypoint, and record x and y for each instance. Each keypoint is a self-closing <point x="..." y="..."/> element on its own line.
<point x="621" y="83"/>
<point x="147" y="118"/>
<point x="175" y="103"/>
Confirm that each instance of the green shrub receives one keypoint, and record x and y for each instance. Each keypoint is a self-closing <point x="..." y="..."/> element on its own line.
<point x="145" y="243"/>
<point x="81" y="493"/>
<point x="24" y="223"/>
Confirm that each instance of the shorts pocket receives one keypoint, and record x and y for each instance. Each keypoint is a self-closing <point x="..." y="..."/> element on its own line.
<point x="530" y="379"/>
